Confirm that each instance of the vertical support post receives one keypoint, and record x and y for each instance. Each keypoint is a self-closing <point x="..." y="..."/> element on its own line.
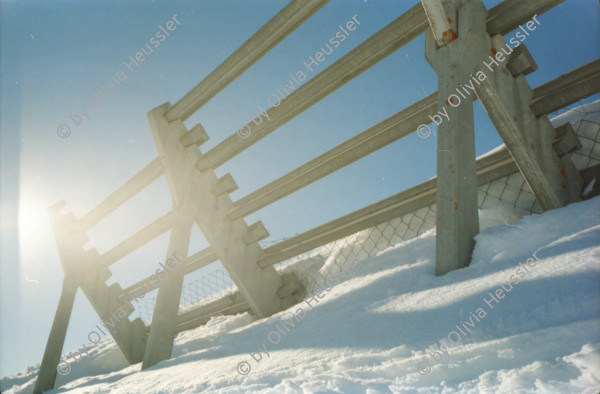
<point x="56" y="340"/>
<point x="164" y="319"/>
<point x="441" y="16"/>
<point x="82" y="270"/>
<point x="205" y="200"/>
<point x="69" y="242"/>
<point x="457" y="210"/>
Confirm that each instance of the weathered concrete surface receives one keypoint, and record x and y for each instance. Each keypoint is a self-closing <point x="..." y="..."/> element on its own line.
<point x="457" y="212"/>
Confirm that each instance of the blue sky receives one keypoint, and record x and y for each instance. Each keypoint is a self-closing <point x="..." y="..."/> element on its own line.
<point x="53" y="55"/>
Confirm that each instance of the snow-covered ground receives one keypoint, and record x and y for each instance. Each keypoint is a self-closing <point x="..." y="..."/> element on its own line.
<point x="390" y="325"/>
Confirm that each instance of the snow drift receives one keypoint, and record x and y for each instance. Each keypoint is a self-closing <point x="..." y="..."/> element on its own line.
<point x="384" y="324"/>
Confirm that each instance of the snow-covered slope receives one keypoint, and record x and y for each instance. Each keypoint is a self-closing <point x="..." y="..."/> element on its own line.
<point x="390" y="325"/>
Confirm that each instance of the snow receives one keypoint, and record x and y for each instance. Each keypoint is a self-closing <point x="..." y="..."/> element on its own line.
<point x="388" y="315"/>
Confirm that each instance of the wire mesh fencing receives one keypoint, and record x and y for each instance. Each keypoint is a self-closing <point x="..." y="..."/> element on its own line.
<point x="587" y="128"/>
<point x="195" y="293"/>
<point x="313" y="268"/>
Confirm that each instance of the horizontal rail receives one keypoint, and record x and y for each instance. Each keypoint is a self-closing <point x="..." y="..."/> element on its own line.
<point x="566" y="89"/>
<point x="501" y="19"/>
<point x="401" y="31"/>
<point x="192" y="263"/>
<point x="489" y="168"/>
<point x="383" y="43"/>
<point x="137" y="240"/>
<point x="200" y="259"/>
<point x="495" y="165"/>
<point x="376" y="137"/>
<point x="267" y="37"/>
<point x="508" y="15"/>
<point x="133" y="186"/>
<point x="227" y="305"/>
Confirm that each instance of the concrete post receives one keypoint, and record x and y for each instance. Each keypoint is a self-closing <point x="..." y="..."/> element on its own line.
<point x="441" y="16"/>
<point x="56" y="339"/>
<point x="529" y="139"/>
<point x="82" y="270"/>
<point x="203" y="198"/>
<point x="69" y="240"/>
<point x="457" y="215"/>
<point x="162" y="329"/>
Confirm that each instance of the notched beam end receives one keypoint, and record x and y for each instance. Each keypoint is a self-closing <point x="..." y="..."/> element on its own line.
<point x="158" y="111"/>
<point x="197" y="135"/>
<point x="94" y="265"/>
<point x="521" y="62"/>
<point x="203" y="165"/>
<point x="565" y="140"/>
<point x="56" y="208"/>
<point x="256" y="232"/>
<point x="225" y="184"/>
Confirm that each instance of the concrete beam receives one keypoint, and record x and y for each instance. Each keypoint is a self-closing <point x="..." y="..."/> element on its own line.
<point x="129" y="335"/>
<point x="457" y="219"/>
<point x="197" y="135"/>
<point x="565" y="140"/>
<point x="266" y="38"/>
<point x="226" y="184"/>
<point x="397" y="126"/>
<point x="82" y="270"/>
<point x="139" y="239"/>
<point x="566" y="89"/>
<point x="489" y="168"/>
<point x="372" y="139"/>
<point x="164" y="319"/>
<point x="56" y="340"/>
<point x="227" y="305"/>
<point x="233" y="242"/>
<point x="133" y="186"/>
<point x="506" y="100"/>
<point x="521" y="62"/>
<point x="177" y="153"/>
<point x="191" y="264"/>
<point x="383" y="43"/>
<point x="501" y="20"/>
<point x="442" y="20"/>
<point x="508" y="15"/>
<point x="383" y="133"/>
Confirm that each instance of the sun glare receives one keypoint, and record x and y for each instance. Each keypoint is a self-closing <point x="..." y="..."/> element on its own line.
<point x="33" y="221"/>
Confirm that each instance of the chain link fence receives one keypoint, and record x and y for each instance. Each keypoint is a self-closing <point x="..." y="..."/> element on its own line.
<point x="210" y="286"/>
<point x="587" y="128"/>
<point x="313" y="268"/>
